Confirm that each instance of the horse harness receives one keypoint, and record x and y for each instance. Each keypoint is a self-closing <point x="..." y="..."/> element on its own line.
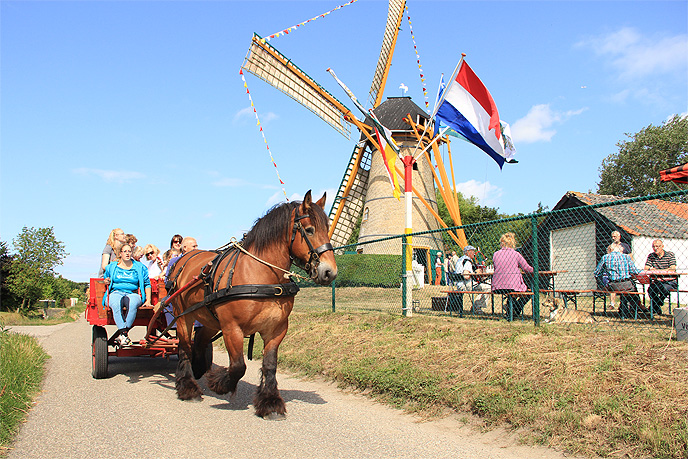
<point x="214" y="294"/>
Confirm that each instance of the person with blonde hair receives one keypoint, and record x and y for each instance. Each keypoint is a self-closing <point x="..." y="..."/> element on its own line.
<point x="114" y="243"/>
<point x="152" y="261"/>
<point x="137" y="253"/>
<point x="507" y="276"/>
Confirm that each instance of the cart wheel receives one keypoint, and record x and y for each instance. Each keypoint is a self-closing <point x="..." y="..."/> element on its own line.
<point x="99" y="349"/>
<point x="209" y="356"/>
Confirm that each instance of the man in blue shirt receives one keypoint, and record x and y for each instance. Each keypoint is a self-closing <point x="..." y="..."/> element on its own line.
<point x="619" y="269"/>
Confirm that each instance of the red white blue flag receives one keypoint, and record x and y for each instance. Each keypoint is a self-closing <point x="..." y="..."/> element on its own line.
<point x="468" y="108"/>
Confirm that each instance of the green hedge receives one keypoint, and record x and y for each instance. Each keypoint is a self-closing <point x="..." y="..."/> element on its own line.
<point x="369" y="270"/>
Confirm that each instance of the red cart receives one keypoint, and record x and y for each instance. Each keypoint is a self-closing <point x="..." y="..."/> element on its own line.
<point x="99" y="316"/>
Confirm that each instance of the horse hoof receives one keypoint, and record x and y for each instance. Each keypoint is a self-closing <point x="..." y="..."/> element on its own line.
<point x="275" y="417"/>
<point x="191" y="398"/>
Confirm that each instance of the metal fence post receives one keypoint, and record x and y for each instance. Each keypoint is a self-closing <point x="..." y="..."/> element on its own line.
<point x="536" y="269"/>
<point x="333" y="302"/>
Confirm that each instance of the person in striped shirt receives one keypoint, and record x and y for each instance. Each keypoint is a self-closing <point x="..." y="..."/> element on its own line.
<point x="620" y="269"/>
<point x="660" y="285"/>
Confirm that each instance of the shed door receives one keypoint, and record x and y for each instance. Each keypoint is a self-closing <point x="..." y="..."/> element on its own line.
<point x="573" y="250"/>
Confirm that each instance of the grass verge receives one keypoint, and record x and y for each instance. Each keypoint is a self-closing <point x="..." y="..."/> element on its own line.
<point x="587" y="392"/>
<point x="22" y="367"/>
<point x="14" y="318"/>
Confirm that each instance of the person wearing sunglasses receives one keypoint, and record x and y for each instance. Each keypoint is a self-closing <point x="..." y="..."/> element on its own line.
<point x="152" y="261"/>
<point x="175" y="245"/>
<point x="125" y="278"/>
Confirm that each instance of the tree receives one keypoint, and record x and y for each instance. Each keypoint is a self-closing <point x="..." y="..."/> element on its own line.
<point x="634" y="169"/>
<point x="32" y="269"/>
<point x="8" y="300"/>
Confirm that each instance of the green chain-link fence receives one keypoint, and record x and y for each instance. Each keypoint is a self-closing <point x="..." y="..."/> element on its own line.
<point x="565" y="246"/>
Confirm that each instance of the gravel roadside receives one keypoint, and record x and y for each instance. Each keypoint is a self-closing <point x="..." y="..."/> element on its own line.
<point x="134" y="414"/>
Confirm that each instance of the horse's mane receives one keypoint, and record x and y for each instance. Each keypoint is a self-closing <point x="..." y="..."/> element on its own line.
<point x="272" y="228"/>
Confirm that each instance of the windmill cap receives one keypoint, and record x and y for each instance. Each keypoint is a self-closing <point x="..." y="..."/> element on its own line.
<point x="467" y="248"/>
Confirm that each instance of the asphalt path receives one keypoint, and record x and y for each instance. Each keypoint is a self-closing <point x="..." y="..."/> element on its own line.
<point x="134" y="413"/>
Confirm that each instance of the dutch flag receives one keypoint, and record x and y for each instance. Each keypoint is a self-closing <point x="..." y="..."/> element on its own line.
<point x="468" y="108"/>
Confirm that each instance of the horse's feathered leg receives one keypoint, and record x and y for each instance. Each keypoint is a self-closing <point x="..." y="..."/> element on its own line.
<point x="199" y="362"/>
<point x="186" y="385"/>
<point x="268" y="402"/>
<point x="222" y="380"/>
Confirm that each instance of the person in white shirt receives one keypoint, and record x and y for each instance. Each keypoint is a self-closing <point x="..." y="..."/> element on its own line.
<point x="464" y="268"/>
<point x="152" y="261"/>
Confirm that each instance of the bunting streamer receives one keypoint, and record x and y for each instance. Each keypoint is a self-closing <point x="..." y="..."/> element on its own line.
<point x="292" y="28"/>
<point x="420" y="67"/>
<point x="255" y="112"/>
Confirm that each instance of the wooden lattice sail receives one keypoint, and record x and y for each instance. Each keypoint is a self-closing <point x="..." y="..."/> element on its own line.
<point x="264" y="61"/>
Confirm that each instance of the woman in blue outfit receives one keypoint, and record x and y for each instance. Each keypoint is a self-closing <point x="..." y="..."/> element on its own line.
<point x="125" y="277"/>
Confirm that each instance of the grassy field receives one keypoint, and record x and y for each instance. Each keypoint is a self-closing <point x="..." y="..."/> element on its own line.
<point x="588" y="391"/>
<point x="14" y="318"/>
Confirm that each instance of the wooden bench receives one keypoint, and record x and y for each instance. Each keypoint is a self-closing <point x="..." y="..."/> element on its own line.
<point x="678" y="291"/>
<point x="510" y="296"/>
<point x="454" y="300"/>
<point x="623" y="297"/>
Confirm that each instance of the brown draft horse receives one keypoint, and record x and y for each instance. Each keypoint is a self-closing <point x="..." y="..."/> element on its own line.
<point x="289" y="232"/>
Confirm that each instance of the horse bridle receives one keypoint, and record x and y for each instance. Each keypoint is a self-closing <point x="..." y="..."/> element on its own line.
<point x="314" y="254"/>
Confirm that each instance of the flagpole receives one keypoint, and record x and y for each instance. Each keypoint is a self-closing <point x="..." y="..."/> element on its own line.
<point x="408" y="246"/>
<point x="439" y="102"/>
<point x="437" y="97"/>
<point x="408" y="161"/>
<point x="444" y="93"/>
<point x="435" y="139"/>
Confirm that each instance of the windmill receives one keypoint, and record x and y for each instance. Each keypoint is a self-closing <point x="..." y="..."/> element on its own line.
<point x="364" y="192"/>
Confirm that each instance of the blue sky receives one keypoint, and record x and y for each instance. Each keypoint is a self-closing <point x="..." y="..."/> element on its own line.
<point x="133" y="114"/>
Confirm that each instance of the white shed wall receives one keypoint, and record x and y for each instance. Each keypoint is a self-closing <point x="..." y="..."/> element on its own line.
<point x="572" y="249"/>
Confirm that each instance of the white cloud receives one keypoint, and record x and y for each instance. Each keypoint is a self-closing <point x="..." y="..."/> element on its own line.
<point x="110" y="175"/>
<point x="487" y="194"/>
<point x="248" y="114"/>
<point x="634" y="56"/>
<point x="229" y="182"/>
<point x="537" y="125"/>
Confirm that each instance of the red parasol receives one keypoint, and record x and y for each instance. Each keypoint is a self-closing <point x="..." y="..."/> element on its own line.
<point x="678" y="174"/>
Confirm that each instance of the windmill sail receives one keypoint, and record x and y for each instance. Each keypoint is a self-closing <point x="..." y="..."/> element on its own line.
<point x="348" y="205"/>
<point x="395" y="13"/>
<point x="264" y="61"/>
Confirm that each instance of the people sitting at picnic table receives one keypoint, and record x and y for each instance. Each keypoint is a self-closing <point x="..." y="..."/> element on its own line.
<point x="615" y="273"/>
<point x="660" y="285"/>
<point x="507" y="276"/>
<point x="464" y="268"/>
<point x="616" y="242"/>
<point x="124" y="277"/>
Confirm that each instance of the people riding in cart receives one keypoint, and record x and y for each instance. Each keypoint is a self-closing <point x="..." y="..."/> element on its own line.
<point x="126" y="277"/>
